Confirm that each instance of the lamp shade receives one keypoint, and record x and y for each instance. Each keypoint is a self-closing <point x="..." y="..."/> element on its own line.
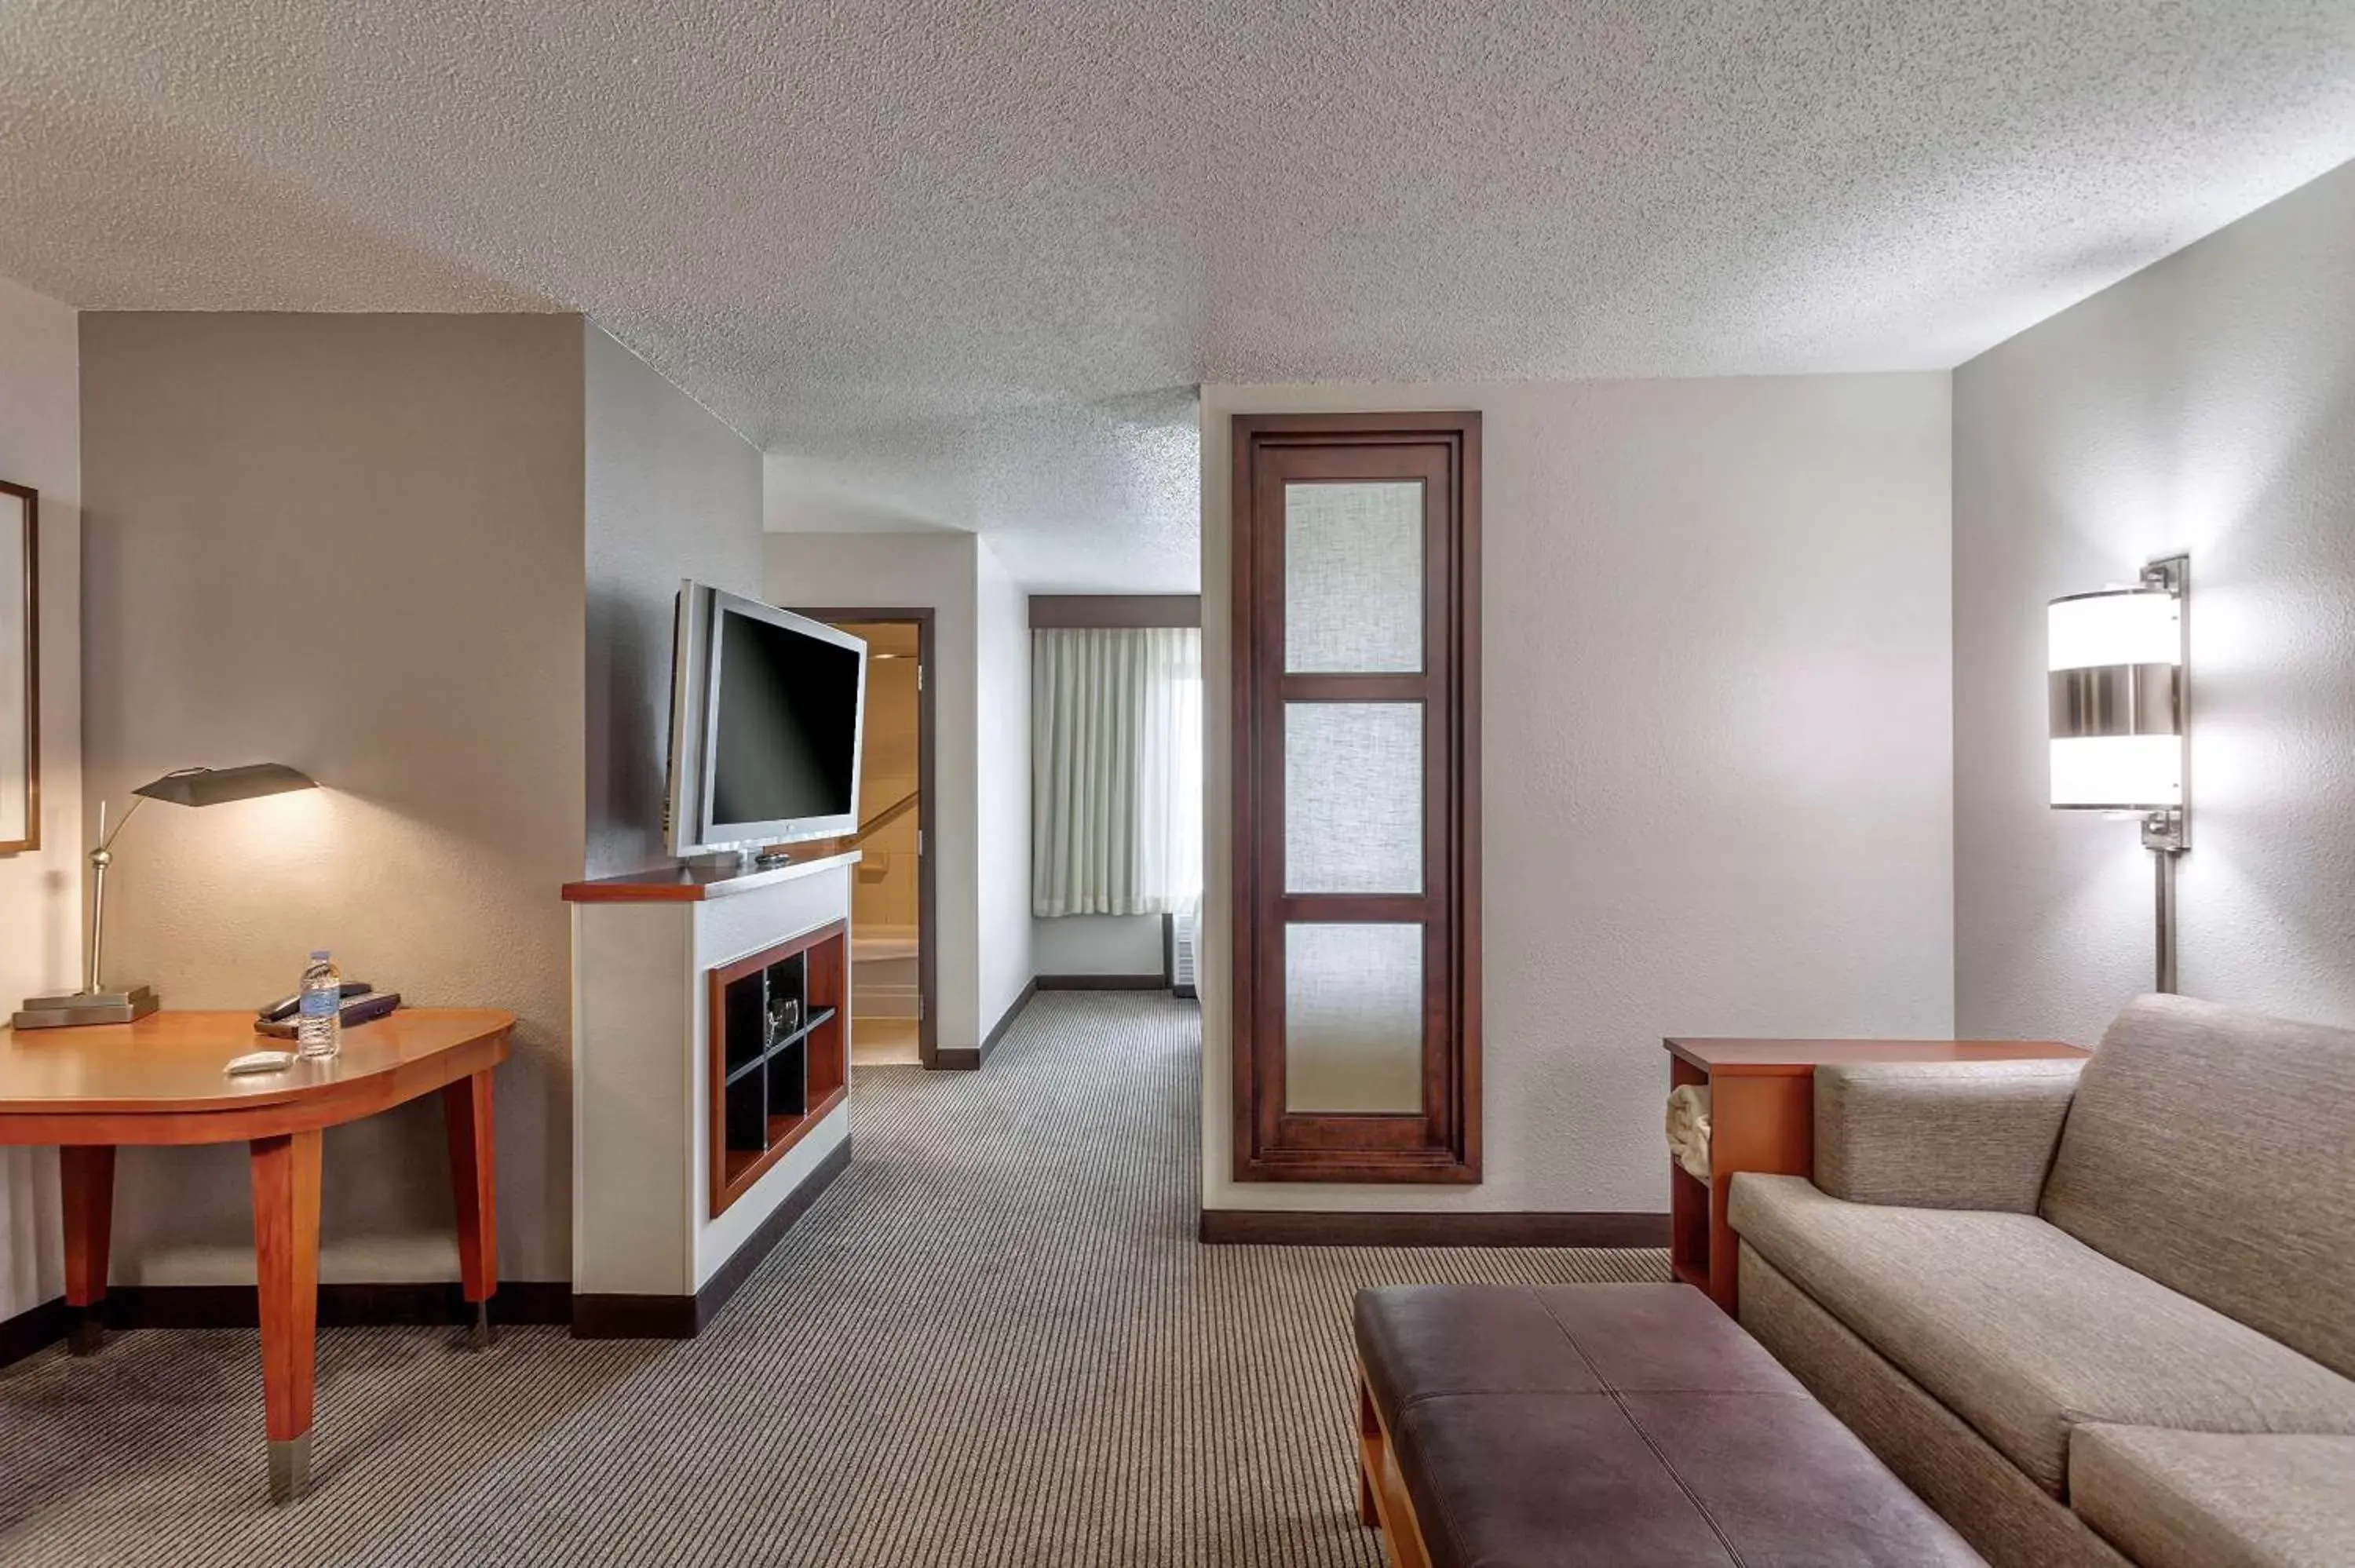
<point x="2115" y="665"/>
<point x="217" y="786"/>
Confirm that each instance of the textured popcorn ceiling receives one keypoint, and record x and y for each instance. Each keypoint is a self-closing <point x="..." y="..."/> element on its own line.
<point x="956" y="264"/>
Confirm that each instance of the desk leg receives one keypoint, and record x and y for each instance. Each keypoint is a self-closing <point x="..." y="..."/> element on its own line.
<point x="86" y="1181"/>
<point x="286" y="1266"/>
<point x="466" y="1112"/>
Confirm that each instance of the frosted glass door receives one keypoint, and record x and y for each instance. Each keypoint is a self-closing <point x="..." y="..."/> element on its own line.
<point x="1355" y="996"/>
<point x="1353" y="1018"/>
<point x="1353" y="578"/>
<point x="1353" y="797"/>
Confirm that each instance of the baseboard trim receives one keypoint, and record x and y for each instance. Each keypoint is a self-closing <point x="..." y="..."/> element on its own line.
<point x="408" y="1304"/>
<point x="1280" y="1227"/>
<point x="1102" y="982"/>
<point x="405" y="1304"/>
<point x="429" y="1303"/>
<point x="969" y="1060"/>
<point x="34" y="1328"/>
<point x="615" y="1317"/>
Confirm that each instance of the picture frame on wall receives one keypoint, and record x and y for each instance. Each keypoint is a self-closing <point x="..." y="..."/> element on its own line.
<point x="20" y="668"/>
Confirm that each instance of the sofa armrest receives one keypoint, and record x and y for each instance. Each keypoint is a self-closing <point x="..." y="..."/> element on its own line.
<point x="1941" y="1135"/>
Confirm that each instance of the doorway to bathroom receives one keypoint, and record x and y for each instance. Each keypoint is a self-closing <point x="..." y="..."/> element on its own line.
<point x="894" y="1009"/>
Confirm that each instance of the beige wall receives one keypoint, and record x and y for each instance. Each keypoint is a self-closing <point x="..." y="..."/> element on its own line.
<point x="1716" y="763"/>
<point x="1097" y="944"/>
<point x="41" y="890"/>
<point x="1002" y="772"/>
<point x="353" y="543"/>
<point x="2203" y="404"/>
<point x="981" y="651"/>
<point x="918" y="571"/>
<point x="672" y="493"/>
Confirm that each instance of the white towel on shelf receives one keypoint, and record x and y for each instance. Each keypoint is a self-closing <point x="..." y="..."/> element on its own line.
<point x="1688" y="1127"/>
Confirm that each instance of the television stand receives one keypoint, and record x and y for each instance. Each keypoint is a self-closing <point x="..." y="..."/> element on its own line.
<point x="711" y="1056"/>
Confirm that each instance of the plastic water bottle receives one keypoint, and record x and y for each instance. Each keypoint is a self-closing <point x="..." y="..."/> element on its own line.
<point x="319" y="1034"/>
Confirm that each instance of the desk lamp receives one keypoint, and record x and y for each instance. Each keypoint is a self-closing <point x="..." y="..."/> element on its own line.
<point x="96" y="1002"/>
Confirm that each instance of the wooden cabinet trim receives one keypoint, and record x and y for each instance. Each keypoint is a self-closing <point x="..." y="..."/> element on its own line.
<point x="824" y="972"/>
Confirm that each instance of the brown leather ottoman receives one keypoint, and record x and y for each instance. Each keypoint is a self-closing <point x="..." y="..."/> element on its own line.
<point x="1617" y="1425"/>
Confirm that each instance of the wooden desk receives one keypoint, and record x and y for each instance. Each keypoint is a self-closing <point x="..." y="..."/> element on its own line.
<point x="1762" y="1116"/>
<point x="159" y="1081"/>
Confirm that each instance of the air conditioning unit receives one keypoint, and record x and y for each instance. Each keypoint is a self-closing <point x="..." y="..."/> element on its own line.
<point x="1184" y="938"/>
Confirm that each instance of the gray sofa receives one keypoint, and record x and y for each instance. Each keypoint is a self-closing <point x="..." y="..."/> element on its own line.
<point x="2093" y="1313"/>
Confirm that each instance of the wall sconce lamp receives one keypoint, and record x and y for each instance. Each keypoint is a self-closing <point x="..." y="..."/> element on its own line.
<point x="96" y="1003"/>
<point x="2120" y="699"/>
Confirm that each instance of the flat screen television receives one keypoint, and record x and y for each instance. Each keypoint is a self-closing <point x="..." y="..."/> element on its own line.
<point x="764" y="724"/>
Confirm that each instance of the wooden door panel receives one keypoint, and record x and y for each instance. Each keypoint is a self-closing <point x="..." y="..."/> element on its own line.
<point x="1438" y="453"/>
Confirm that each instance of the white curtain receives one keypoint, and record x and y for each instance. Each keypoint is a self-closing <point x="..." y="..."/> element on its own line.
<point x="1116" y="771"/>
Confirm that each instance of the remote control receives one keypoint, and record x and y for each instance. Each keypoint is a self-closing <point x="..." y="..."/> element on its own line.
<point x="261" y="1061"/>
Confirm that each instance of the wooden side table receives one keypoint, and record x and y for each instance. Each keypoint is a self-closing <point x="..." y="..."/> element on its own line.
<point x="159" y="1081"/>
<point x="1762" y="1116"/>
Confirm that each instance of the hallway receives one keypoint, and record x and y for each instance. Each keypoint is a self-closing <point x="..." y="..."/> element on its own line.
<point x="993" y="1341"/>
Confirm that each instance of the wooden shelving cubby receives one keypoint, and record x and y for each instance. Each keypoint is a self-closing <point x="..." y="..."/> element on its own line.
<point x="780" y="1052"/>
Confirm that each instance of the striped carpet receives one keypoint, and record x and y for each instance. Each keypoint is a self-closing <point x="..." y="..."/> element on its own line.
<point x="994" y="1341"/>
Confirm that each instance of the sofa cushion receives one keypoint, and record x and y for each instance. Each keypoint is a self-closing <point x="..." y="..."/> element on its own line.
<point x="2206" y="1149"/>
<point x="2199" y="1499"/>
<point x="2024" y="1331"/>
<point x="1941" y="1135"/>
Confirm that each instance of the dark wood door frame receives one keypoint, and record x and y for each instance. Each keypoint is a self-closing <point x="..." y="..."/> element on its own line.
<point x="1441" y="1143"/>
<point x="32" y="501"/>
<point x="928" y="943"/>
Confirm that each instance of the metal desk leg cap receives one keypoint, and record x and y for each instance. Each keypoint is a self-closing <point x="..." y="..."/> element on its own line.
<point x="480" y="1334"/>
<point x="289" y="1468"/>
<point x="87" y="1334"/>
